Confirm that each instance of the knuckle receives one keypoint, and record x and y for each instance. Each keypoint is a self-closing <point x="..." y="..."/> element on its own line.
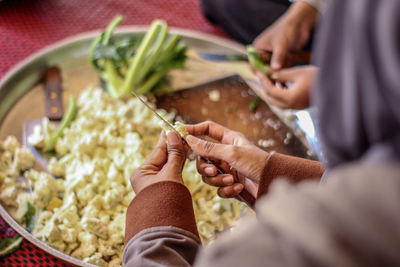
<point x="208" y="147"/>
<point x="175" y="150"/>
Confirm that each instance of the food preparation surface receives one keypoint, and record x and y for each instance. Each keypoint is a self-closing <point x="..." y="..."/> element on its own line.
<point x="20" y="92"/>
<point x="229" y="101"/>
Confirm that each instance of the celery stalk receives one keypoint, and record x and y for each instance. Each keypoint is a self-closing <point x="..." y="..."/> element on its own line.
<point x="130" y="79"/>
<point x="153" y="54"/>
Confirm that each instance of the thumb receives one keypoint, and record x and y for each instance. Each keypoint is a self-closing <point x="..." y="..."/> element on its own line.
<point x="286" y="75"/>
<point x="207" y="149"/>
<point x="176" y="153"/>
<point x="279" y="53"/>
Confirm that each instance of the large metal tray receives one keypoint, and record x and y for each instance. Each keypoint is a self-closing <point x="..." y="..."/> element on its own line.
<point x="22" y="98"/>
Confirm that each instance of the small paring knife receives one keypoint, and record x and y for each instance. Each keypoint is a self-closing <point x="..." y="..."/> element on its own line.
<point x="244" y="196"/>
<point x="294" y="58"/>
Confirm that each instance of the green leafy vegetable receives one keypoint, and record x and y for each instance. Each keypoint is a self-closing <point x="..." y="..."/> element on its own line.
<point x="133" y="63"/>
<point x="255" y="60"/>
<point x="66" y="121"/>
<point x="10" y="244"/>
<point x="30" y="217"/>
<point x="254" y="103"/>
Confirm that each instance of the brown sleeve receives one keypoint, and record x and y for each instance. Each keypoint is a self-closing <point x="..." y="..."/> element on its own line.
<point x="161" y="204"/>
<point x="294" y="168"/>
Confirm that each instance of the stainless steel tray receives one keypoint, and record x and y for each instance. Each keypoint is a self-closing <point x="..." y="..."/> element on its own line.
<point x="22" y="98"/>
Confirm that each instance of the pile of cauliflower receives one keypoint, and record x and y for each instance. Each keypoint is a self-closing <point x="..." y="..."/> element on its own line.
<point x="84" y="199"/>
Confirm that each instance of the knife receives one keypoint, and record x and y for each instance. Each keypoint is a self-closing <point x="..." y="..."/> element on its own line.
<point x="244" y="196"/>
<point x="53" y="111"/>
<point x="293" y="58"/>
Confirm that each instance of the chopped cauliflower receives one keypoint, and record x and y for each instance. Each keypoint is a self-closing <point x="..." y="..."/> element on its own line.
<point x="83" y="209"/>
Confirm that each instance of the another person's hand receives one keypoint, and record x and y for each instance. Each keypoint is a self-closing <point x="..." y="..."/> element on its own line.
<point x="299" y="81"/>
<point x="242" y="161"/>
<point x="165" y="163"/>
<point x="289" y="33"/>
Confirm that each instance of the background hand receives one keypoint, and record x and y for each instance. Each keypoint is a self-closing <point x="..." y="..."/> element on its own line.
<point x="165" y="163"/>
<point x="289" y="33"/>
<point x="297" y="94"/>
<point x="242" y="161"/>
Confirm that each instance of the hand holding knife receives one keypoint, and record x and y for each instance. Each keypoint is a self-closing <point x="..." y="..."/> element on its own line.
<point x="244" y="196"/>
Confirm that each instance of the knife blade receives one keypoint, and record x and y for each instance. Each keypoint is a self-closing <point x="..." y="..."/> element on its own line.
<point x="244" y="196"/>
<point x="293" y="58"/>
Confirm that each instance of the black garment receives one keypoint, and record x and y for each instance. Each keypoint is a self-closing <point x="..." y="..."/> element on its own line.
<point x="358" y="88"/>
<point x="244" y="20"/>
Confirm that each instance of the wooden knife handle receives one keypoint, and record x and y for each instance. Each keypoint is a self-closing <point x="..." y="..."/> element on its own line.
<point x="293" y="58"/>
<point x="53" y="93"/>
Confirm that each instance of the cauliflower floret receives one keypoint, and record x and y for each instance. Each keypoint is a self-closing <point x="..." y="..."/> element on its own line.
<point x="56" y="167"/>
<point x="36" y="139"/>
<point x="45" y="189"/>
<point x="9" y="195"/>
<point x="105" y="248"/>
<point x="96" y="259"/>
<point x="87" y="247"/>
<point x="23" y="158"/>
<point x="11" y="144"/>
<point x="69" y="234"/>
<point x="95" y="226"/>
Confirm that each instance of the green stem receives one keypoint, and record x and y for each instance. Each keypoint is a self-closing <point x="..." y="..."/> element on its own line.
<point x="151" y="81"/>
<point x="148" y="39"/>
<point x="255" y="60"/>
<point x="110" y="28"/>
<point x="66" y="121"/>
<point x="153" y="54"/>
<point x="169" y="47"/>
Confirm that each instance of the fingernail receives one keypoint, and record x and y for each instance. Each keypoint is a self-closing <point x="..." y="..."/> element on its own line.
<point x="274" y="76"/>
<point x="228" y="180"/>
<point x="190" y="139"/>
<point x="209" y="171"/>
<point x="173" y="138"/>
<point x="260" y="74"/>
<point x="275" y="65"/>
<point x="238" y="187"/>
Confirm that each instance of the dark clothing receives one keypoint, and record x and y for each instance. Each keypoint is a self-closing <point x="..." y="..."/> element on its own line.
<point x="358" y="88"/>
<point x="244" y="20"/>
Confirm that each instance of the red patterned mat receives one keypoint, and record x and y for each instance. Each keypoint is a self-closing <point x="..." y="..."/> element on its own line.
<point x="29" y="25"/>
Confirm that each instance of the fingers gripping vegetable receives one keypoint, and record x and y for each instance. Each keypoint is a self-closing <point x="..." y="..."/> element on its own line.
<point x="133" y="63"/>
<point x="255" y="60"/>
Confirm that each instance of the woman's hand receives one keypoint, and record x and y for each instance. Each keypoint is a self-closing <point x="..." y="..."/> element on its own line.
<point x="165" y="163"/>
<point x="242" y="161"/>
<point x="297" y="94"/>
<point x="289" y="33"/>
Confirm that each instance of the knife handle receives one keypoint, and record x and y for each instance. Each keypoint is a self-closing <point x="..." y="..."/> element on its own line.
<point x="53" y="93"/>
<point x="293" y="58"/>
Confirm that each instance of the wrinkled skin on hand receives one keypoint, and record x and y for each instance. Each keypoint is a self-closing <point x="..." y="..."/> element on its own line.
<point x="242" y="161"/>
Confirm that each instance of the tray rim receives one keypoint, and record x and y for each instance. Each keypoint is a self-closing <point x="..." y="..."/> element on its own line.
<point x="11" y="73"/>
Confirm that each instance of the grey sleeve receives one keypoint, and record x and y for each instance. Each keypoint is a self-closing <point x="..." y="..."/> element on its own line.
<point x="161" y="246"/>
<point x="351" y="220"/>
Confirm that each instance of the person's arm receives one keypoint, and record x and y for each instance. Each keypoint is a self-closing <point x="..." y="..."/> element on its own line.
<point x="160" y="224"/>
<point x="246" y="166"/>
<point x="351" y="220"/>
